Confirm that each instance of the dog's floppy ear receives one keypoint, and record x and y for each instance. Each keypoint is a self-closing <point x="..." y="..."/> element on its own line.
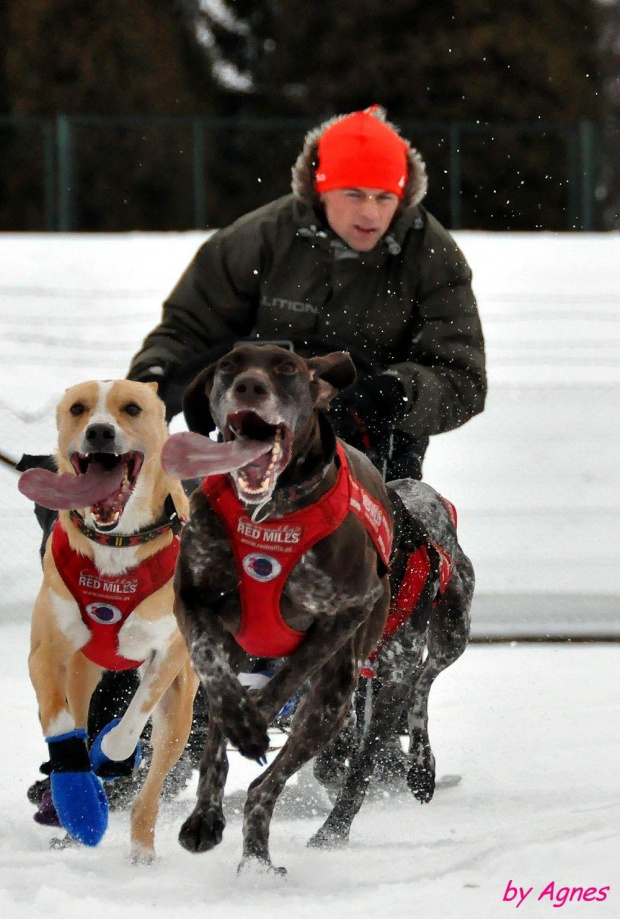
<point x="330" y="375"/>
<point x="196" y="402"/>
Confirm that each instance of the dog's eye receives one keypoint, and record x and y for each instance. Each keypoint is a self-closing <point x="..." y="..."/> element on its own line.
<point x="132" y="409"/>
<point x="77" y="409"/>
<point x="286" y="367"/>
<point x="227" y="367"/>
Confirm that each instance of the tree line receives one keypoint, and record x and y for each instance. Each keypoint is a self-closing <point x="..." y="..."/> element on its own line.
<point x="251" y="64"/>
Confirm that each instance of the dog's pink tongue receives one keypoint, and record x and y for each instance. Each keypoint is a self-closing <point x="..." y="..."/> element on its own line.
<point x="66" y="492"/>
<point x="188" y="455"/>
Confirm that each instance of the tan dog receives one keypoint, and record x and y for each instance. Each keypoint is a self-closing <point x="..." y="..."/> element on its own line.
<point x="118" y="552"/>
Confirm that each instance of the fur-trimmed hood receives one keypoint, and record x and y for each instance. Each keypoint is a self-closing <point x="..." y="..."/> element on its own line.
<point x="305" y="167"/>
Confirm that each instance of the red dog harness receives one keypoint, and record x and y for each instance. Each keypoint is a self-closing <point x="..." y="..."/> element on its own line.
<point x="266" y="553"/>
<point x="416" y="575"/>
<point x="106" y="601"/>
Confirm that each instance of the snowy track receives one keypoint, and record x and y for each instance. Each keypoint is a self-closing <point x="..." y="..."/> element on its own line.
<point x="532" y="730"/>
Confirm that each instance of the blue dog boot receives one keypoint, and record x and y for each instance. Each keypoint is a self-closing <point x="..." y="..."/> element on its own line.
<point x="111" y="769"/>
<point x="77" y="793"/>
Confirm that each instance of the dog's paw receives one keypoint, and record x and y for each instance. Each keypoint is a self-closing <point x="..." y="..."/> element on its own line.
<point x="142" y="855"/>
<point x="81" y="805"/>
<point x="248" y="731"/>
<point x="202" y="831"/>
<point x="60" y="843"/>
<point x="328" y="838"/>
<point x="111" y="769"/>
<point x="421" y="781"/>
<point x="329" y="772"/>
<point x="252" y="864"/>
<point x="392" y="764"/>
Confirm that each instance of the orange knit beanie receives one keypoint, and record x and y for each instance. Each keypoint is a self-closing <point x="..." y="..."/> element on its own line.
<point x="361" y="151"/>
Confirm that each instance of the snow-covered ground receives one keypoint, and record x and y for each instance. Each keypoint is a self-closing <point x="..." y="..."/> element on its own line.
<point x="531" y="730"/>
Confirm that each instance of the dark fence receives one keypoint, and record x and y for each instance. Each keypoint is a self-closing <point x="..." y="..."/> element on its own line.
<point x="94" y="173"/>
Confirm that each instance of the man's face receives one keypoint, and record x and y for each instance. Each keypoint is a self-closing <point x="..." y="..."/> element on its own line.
<point x="360" y="216"/>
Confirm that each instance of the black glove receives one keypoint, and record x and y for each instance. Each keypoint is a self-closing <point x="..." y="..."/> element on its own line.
<point x="155" y="374"/>
<point x="169" y="389"/>
<point x="364" y="415"/>
<point x="377" y="400"/>
<point x="174" y="377"/>
<point x="380" y="400"/>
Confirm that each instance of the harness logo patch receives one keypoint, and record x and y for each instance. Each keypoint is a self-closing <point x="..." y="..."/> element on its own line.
<point x="261" y="567"/>
<point x="257" y="535"/>
<point x="88" y="578"/>
<point x="104" y="613"/>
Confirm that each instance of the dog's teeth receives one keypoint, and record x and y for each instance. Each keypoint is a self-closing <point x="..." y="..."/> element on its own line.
<point x="251" y="489"/>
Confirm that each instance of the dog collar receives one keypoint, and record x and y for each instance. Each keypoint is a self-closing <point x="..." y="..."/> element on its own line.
<point x="172" y="522"/>
<point x="284" y="496"/>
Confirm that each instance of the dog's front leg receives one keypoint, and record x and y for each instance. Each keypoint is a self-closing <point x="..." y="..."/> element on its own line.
<point x="318" y="719"/>
<point x="57" y="633"/>
<point x="325" y="638"/>
<point x="51" y="649"/>
<point x="119" y="742"/>
<point x="204" y="827"/>
<point x="213" y="652"/>
<point x="230" y="704"/>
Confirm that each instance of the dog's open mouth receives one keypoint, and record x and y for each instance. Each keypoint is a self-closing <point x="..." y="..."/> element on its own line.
<point x="119" y="469"/>
<point x="256" y="480"/>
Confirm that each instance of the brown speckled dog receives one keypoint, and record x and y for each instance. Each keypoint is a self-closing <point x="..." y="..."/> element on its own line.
<point x="254" y="543"/>
<point x="431" y="573"/>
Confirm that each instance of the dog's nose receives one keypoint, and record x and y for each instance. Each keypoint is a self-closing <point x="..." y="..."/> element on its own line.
<point x="250" y="385"/>
<point x="100" y="437"/>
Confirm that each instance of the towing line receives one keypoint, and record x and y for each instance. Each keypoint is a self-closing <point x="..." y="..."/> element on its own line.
<point x="8" y="460"/>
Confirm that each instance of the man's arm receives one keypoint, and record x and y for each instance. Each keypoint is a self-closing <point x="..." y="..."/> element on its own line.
<point x="213" y="305"/>
<point x="444" y="375"/>
<point x="215" y="301"/>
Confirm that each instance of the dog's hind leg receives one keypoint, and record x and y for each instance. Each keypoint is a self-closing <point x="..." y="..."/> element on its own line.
<point x="330" y="765"/>
<point x="447" y="639"/>
<point x="318" y="719"/>
<point x="405" y="651"/>
<point x="204" y="827"/>
<point x="172" y="720"/>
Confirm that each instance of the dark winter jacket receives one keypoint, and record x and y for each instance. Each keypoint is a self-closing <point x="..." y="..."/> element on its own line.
<point x="281" y="273"/>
